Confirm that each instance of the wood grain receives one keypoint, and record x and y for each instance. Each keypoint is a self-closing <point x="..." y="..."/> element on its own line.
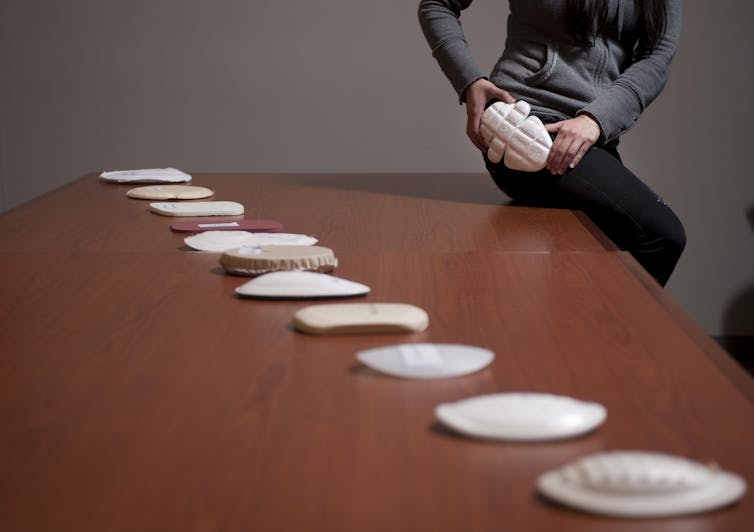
<point x="138" y="393"/>
<point x="348" y="213"/>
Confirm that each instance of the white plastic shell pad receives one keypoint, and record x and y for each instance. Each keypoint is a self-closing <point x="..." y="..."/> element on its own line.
<point x="151" y="175"/>
<point x="167" y="192"/>
<point x="198" y="208"/>
<point x="360" y="318"/>
<point x="426" y="361"/>
<point x="512" y="134"/>
<point x="300" y="285"/>
<point x="219" y="241"/>
<point x="521" y="416"/>
<point x="641" y="484"/>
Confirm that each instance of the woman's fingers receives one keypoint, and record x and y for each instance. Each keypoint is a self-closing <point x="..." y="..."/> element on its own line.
<point x="573" y="140"/>
<point x="477" y="95"/>
<point x="473" y="122"/>
<point x="558" y="159"/>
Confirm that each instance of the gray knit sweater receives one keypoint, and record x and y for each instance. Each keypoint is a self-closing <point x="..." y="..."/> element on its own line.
<point x="613" y="80"/>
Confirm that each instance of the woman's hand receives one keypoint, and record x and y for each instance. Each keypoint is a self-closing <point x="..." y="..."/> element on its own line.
<point x="573" y="139"/>
<point x="476" y="96"/>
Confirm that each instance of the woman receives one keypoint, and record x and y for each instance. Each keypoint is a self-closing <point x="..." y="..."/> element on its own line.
<point x="588" y="69"/>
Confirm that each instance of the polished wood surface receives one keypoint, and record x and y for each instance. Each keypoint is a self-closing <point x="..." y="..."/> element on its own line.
<point x="346" y="212"/>
<point x="138" y="393"/>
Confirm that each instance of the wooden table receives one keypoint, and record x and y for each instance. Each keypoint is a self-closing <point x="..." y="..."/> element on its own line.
<point x="137" y="393"/>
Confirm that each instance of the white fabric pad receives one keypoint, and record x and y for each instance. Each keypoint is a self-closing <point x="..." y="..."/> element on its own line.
<point x="641" y="484"/>
<point x="219" y="241"/>
<point x="300" y="285"/>
<point x="151" y="175"/>
<point x="521" y="416"/>
<point x="426" y="361"/>
<point x="198" y="208"/>
<point x="511" y="133"/>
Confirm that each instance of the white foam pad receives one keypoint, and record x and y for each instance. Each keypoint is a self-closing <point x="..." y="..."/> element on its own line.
<point x="300" y="285"/>
<point x="198" y="208"/>
<point x="219" y="241"/>
<point x="150" y="175"/>
<point x="360" y="318"/>
<point x="512" y="134"/>
<point x="426" y="361"/>
<point x="641" y="484"/>
<point x="521" y="416"/>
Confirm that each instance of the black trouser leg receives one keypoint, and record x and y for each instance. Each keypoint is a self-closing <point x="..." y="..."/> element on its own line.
<point x="633" y="216"/>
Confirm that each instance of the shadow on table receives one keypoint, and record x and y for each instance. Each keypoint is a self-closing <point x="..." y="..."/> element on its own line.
<point x="462" y="188"/>
<point x="738" y="321"/>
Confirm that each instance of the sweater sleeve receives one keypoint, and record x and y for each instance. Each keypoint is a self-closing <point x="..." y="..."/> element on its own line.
<point x="440" y="22"/>
<point x="618" y="108"/>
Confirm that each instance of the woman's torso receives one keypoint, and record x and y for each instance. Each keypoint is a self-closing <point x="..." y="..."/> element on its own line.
<point x="544" y="65"/>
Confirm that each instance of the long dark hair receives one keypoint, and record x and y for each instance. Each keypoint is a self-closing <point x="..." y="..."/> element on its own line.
<point x="588" y="16"/>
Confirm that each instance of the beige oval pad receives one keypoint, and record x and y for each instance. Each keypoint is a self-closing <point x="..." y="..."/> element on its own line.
<point x="360" y="318"/>
<point x="167" y="192"/>
<point x="256" y="260"/>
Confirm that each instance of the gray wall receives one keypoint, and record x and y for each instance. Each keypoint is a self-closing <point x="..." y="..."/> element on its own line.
<point x="350" y="86"/>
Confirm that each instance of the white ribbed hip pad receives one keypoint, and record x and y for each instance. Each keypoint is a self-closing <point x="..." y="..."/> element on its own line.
<point x="511" y="134"/>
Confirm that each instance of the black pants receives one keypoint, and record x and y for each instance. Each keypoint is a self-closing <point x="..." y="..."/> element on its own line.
<point x="634" y="217"/>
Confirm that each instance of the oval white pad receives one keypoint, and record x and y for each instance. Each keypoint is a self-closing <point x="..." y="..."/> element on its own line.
<point x="521" y="416"/>
<point x="300" y="285"/>
<point x="426" y="361"/>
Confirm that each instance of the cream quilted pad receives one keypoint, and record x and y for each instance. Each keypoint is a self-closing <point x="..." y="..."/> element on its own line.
<point x="641" y="484"/>
<point x="256" y="260"/>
